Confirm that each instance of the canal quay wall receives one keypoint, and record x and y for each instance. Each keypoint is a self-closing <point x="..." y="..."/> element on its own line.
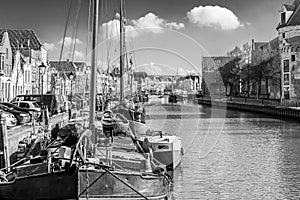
<point x="263" y="108"/>
<point x="18" y="133"/>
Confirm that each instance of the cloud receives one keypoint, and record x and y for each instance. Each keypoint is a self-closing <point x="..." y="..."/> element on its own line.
<point x="148" y="23"/>
<point x="69" y="40"/>
<point x="174" y="25"/>
<point x="113" y="29"/>
<point x="155" y="24"/>
<point x="49" y="46"/>
<point x="215" y="17"/>
<point x="182" y="71"/>
<point x="78" y="56"/>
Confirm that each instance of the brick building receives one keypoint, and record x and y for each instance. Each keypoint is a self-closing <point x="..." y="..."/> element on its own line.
<point x="289" y="45"/>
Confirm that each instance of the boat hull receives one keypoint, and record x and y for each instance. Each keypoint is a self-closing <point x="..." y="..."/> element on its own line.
<point x="101" y="184"/>
<point x="108" y="186"/>
<point x="46" y="186"/>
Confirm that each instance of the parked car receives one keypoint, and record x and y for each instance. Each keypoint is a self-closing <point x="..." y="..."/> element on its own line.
<point x="21" y="116"/>
<point x="28" y="104"/>
<point x="54" y="102"/>
<point x="34" y="113"/>
<point x="11" y="120"/>
<point x="31" y="105"/>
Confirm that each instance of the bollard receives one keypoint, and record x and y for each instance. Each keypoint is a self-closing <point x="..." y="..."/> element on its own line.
<point x="4" y="154"/>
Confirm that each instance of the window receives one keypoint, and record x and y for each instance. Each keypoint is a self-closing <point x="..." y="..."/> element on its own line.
<point x="293" y="57"/>
<point x="1" y="62"/>
<point x="286" y="92"/>
<point x="283" y="35"/>
<point x="286" y="79"/>
<point x="283" y="18"/>
<point x="6" y="51"/>
<point x="286" y="67"/>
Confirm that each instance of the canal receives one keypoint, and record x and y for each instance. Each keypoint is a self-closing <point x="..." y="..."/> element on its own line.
<point x="231" y="154"/>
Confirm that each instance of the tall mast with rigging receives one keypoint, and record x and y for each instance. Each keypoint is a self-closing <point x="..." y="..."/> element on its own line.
<point x="93" y="69"/>
<point x="121" y="53"/>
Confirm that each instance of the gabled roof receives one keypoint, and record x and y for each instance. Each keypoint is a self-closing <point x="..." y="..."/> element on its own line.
<point x="63" y="66"/>
<point x="295" y="17"/>
<point x="22" y="37"/>
<point x="215" y="62"/>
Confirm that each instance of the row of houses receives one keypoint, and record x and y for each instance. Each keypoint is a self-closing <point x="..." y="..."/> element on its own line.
<point x="277" y="62"/>
<point x="189" y="83"/>
<point x="25" y="68"/>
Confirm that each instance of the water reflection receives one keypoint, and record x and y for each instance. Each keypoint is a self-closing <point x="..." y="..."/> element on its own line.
<point x="254" y="157"/>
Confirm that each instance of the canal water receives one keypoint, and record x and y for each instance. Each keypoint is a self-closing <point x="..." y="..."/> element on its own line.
<point x="230" y="154"/>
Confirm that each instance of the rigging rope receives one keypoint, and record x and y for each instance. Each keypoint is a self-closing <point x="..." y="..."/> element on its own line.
<point x="65" y="32"/>
<point x="88" y="30"/>
<point x="75" y="32"/>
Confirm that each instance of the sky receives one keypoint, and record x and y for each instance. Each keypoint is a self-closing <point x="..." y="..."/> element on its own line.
<point x="162" y="35"/>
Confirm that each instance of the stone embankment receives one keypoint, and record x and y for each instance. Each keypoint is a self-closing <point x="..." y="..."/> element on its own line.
<point x="268" y="107"/>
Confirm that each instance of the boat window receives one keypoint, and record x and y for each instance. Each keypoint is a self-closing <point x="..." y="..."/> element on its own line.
<point x="162" y="147"/>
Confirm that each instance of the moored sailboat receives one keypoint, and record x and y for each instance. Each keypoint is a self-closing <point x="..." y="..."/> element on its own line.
<point x="69" y="168"/>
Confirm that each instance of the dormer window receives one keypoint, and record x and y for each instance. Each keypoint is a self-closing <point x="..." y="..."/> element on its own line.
<point x="1" y="62"/>
<point x="283" y="18"/>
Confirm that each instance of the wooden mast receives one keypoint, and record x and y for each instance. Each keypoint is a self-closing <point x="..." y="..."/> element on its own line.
<point x="121" y="53"/>
<point x="93" y="70"/>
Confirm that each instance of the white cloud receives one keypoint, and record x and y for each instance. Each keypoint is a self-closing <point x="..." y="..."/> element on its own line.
<point x="49" y="46"/>
<point x="174" y="25"/>
<point x="148" y="23"/>
<point x="113" y="29"/>
<point x="78" y="56"/>
<point x="215" y="17"/>
<point x="69" y="40"/>
<point x="182" y="71"/>
<point x="155" y="24"/>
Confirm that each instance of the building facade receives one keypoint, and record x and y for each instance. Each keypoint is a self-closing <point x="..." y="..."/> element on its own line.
<point x="289" y="45"/>
<point x="212" y="82"/>
<point x="21" y="55"/>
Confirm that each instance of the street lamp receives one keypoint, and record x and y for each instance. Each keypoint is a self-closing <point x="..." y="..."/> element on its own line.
<point x="42" y="69"/>
<point x="71" y="78"/>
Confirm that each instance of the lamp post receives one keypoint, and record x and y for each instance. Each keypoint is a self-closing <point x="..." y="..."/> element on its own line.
<point x="71" y="78"/>
<point x="42" y="69"/>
